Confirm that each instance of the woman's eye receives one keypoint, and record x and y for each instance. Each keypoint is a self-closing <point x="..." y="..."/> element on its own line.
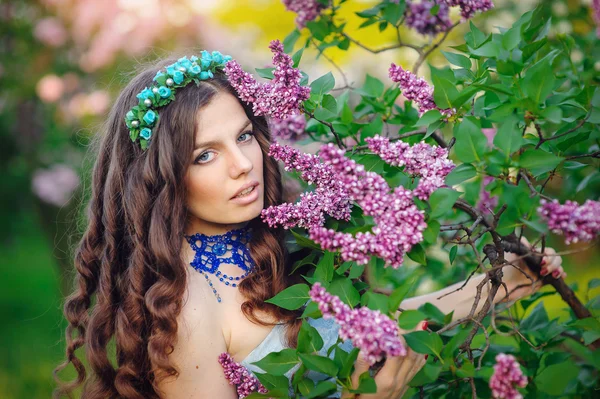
<point x="249" y="133"/>
<point x="202" y="157"/>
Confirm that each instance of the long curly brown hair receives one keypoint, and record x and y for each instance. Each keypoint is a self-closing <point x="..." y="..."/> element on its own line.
<point x="129" y="255"/>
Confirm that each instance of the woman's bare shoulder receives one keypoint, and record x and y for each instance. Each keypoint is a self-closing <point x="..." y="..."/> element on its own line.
<point x="199" y="343"/>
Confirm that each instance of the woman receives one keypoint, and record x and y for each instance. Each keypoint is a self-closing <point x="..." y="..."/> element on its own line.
<point x="173" y="217"/>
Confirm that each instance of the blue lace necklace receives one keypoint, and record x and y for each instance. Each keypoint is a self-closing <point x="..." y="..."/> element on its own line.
<point x="210" y="251"/>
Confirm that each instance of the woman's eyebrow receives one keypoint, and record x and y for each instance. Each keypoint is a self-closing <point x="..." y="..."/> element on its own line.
<point x="211" y="143"/>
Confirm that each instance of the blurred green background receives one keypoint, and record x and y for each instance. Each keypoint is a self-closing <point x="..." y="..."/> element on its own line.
<point x="62" y="62"/>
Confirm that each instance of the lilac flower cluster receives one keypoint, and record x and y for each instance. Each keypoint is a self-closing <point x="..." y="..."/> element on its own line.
<point x="576" y="222"/>
<point x="469" y="7"/>
<point x="330" y="195"/>
<point x="279" y="98"/>
<point x="429" y="162"/>
<point x="290" y="128"/>
<point x="507" y="376"/>
<point x="339" y="180"/>
<point x="419" y="17"/>
<point x="596" y="15"/>
<point x="374" y="333"/>
<point x="238" y="375"/>
<point x="307" y="10"/>
<point x="415" y="89"/>
<point x="486" y="201"/>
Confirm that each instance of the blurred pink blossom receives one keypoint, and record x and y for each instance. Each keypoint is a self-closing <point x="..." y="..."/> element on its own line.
<point x="489" y="132"/>
<point x="71" y="82"/>
<point x="50" y="88"/>
<point x="97" y="102"/>
<point x="55" y="185"/>
<point x="51" y="32"/>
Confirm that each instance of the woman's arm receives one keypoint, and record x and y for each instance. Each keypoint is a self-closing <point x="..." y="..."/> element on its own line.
<point x="461" y="300"/>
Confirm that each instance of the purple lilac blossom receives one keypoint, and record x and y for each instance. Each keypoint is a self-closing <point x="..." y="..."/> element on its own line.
<point x="279" y="98"/>
<point x="290" y="128"/>
<point x="576" y="222"/>
<point x="307" y="10"/>
<point x="416" y="89"/>
<point x="374" y="333"/>
<point x="330" y="196"/>
<point x="469" y="7"/>
<point x="399" y="224"/>
<point x="55" y="185"/>
<point x="490" y="133"/>
<point x="486" y="201"/>
<point x="431" y="163"/>
<point x="238" y="375"/>
<point x="596" y="15"/>
<point x="507" y="376"/>
<point x="419" y="17"/>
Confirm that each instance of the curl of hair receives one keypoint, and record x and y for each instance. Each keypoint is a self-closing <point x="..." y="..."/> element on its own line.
<point x="129" y="255"/>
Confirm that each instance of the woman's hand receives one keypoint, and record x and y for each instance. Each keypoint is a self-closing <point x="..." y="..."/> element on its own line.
<point x="513" y="277"/>
<point x="393" y="378"/>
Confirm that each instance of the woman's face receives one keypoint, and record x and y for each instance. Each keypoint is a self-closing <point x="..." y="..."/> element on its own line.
<point x="226" y="158"/>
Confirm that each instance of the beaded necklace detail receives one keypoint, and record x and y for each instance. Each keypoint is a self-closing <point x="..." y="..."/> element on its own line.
<point x="210" y="251"/>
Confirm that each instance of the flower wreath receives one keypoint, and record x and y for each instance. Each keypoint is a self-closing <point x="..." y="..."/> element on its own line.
<point x="142" y="118"/>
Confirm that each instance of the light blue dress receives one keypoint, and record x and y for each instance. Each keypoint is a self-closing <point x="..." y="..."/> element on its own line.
<point x="274" y="342"/>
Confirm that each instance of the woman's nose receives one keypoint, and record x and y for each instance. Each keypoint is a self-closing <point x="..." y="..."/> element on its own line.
<point x="240" y="164"/>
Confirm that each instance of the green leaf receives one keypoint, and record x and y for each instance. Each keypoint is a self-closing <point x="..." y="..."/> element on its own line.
<point x="319" y="363"/>
<point x="452" y="255"/>
<point x="278" y="363"/>
<point x="324" y="270"/>
<point x="297" y="56"/>
<point x="508" y="138"/>
<point x="305" y="386"/>
<point x="399" y="294"/>
<point x="366" y="384"/>
<point x="511" y="38"/>
<point x="461" y="173"/>
<point x="373" y="87"/>
<point x="539" y="79"/>
<point x="321" y="389"/>
<point x="471" y="143"/>
<point x="555" y="378"/>
<point x="432" y="312"/>
<point x="345" y="361"/>
<point x="344" y="289"/>
<point x="424" y="342"/>
<point x="458" y="59"/>
<point x="266" y="73"/>
<point x="271" y="381"/>
<point x="539" y="161"/>
<point x="489" y="49"/>
<point x="444" y="92"/>
<point x="409" y="319"/>
<point x="292" y="297"/>
<point x="376" y="301"/>
<point x="290" y="41"/>
<point x="305" y="242"/>
<point x="309" y="339"/>
<point x="432" y="231"/>
<point x="428" y="374"/>
<point x="417" y="253"/>
<point x="477" y="36"/>
<point x="323" y="84"/>
<point x="593" y="283"/>
<point x="441" y="201"/>
<point x="429" y="117"/>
